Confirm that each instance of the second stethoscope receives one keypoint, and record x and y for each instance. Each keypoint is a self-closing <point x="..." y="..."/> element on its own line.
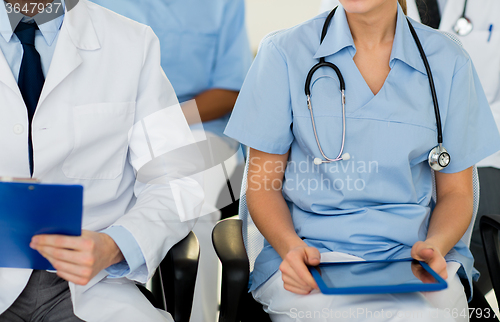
<point x="463" y="26"/>
<point x="438" y="157"/>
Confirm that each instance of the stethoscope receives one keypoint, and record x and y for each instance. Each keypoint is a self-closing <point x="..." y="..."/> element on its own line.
<point x="463" y="26"/>
<point x="438" y="158"/>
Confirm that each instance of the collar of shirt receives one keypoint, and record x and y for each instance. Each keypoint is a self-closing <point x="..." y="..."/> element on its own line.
<point x="49" y="29"/>
<point x="404" y="47"/>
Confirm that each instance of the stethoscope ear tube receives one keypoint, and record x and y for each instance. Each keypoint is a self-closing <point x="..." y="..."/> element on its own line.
<point x="313" y="70"/>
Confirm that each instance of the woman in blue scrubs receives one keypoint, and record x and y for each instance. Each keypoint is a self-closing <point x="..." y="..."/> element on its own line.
<point x="375" y="205"/>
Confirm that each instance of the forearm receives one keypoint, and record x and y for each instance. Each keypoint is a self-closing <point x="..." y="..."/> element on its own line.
<point x="266" y="203"/>
<point x="272" y="217"/>
<point x="209" y="105"/>
<point x="449" y="221"/>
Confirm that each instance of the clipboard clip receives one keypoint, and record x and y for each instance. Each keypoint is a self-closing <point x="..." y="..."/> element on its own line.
<point x="19" y="180"/>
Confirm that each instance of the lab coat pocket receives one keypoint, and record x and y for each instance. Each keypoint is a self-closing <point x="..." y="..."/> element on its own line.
<point x="100" y="140"/>
<point x="482" y="46"/>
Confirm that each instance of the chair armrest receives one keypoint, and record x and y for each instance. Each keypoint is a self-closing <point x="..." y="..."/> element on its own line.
<point x="490" y="226"/>
<point x="176" y="277"/>
<point x="228" y="242"/>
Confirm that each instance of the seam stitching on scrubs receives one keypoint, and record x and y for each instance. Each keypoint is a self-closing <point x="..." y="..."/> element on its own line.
<point x="369" y="118"/>
<point x="279" y="51"/>
<point x="467" y="63"/>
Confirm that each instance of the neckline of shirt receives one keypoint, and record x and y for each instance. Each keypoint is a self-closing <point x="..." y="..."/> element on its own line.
<point x="49" y="30"/>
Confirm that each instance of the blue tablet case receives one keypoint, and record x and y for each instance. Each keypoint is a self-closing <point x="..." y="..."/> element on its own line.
<point x="28" y="209"/>
<point x="384" y="278"/>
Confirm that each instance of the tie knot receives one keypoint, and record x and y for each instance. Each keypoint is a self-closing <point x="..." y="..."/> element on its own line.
<point x="26" y="33"/>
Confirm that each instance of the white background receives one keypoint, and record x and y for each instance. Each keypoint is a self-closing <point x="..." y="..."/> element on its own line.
<point x="265" y="16"/>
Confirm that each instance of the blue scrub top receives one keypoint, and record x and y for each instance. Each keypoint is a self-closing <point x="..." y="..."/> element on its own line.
<point x="377" y="204"/>
<point x="204" y="44"/>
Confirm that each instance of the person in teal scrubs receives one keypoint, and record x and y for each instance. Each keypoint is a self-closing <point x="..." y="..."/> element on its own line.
<point x="375" y="204"/>
<point x="205" y="55"/>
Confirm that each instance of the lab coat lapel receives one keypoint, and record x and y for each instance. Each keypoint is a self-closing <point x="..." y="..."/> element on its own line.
<point x="6" y="76"/>
<point x="412" y="10"/>
<point x="77" y="33"/>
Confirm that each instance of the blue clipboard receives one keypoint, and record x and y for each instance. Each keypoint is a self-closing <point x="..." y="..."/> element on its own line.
<point x="29" y="209"/>
<point x="376" y="277"/>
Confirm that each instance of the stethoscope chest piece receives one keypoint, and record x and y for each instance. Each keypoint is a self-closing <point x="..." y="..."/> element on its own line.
<point x="439" y="158"/>
<point x="463" y="26"/>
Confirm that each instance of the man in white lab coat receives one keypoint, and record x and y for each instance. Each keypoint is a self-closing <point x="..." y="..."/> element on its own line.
<point x="83" y="100"/>
<point x="483" y="45"/>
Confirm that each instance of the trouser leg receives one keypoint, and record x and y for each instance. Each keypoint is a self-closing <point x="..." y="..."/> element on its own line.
<point x="56" y="301"/>
<point x="46" y="298"/>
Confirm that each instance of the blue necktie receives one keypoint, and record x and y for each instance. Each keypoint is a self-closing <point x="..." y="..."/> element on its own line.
<point x="31" y="77"/>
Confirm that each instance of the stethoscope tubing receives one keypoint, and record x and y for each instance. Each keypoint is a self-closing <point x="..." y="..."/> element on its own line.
<point x="431" y="83"/>
<point x="339" y="157"/>
<point x="465" y="9"/>
<point x="313" y="70"/>
<point x="323" y="63"/>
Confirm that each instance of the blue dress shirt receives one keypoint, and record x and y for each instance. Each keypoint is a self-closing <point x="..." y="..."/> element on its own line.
<point x="377" y="204"/>
<point x="45" y="44"/>
<point x="204" y="44"/>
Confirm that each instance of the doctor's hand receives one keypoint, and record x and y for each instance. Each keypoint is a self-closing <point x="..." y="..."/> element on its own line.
<point x="78" y="259"/>
<point x="428" y="253"/>
<point x="296" y="276"/>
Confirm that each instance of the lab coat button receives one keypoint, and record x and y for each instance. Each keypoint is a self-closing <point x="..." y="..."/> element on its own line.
<point x="18" y="129"/>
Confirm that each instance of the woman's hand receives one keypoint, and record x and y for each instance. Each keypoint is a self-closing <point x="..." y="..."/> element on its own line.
<point x="296" y="276"/>
<point x="428" y="253"/>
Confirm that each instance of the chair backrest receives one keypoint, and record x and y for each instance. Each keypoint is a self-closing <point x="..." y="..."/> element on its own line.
<point x="254" y="241"/>
<point x="174" y="281"/>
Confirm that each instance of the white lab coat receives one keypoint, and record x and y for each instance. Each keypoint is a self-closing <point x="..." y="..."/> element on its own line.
<point x="485" y="54"/>
<point x="106" y="111"/>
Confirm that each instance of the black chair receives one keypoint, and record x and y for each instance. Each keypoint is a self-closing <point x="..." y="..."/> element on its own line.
<point x="490" y="226"/>
<point x="236" y="303"/>
<point x="174" y="280"/>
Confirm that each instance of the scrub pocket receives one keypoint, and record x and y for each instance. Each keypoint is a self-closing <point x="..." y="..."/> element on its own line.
<point x="100" y="140"/>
